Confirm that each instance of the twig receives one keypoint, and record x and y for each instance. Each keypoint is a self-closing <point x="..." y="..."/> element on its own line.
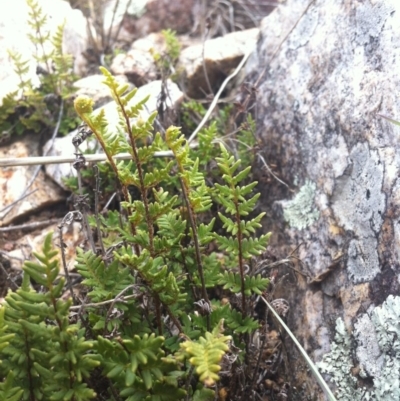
<point x="115" y="300"/>
<point x="109" y="202"/>
<point x="110" y="301"/>
<point x="18" y="200"/>
<point x="203" y="61"/>
<point x="120" y="25"/>
<point x="96" y="209"/>
<point x="2" y="268"/>
<point x="101" y="157"/>
<point x="106" y="42"/>
<point x="270" y="171"/>
<point x="217" y="96"/>
<point x="28" y="226"/>
<point x="80" y="202"/>
<point x="64" y="262"/>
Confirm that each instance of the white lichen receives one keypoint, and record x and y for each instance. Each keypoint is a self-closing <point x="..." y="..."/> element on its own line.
<point x="300" y="212"/>
<point x="382" y="326"/>
<point x="359" y="203"/>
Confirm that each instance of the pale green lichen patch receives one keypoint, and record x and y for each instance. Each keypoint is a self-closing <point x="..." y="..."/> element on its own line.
<point x="382" y="325"/>
<point x="300" y="211"/>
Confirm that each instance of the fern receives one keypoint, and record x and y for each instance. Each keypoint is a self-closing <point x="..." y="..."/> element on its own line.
<point x="8" y="392"/>
<point x="206" y="354"/>
<point x="48" y="355"/>
<point x="139" y="367"/>
<point x="253" y="285"/>
<point x="41" y="105"/>
<point x="106" y="281"/>
<point x="235" y="199"/>
<point x="153" y="299"/>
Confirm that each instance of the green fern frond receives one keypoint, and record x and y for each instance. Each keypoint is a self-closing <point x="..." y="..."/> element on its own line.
<point x="240" y="324"/>
<point x="49" y="356"/>
<point x="8" y="392"/>
<point x="250" y="246"/>
<point x="252" y="285"/>
<point x="206" y="354"/>
<point x="105" y="281"/>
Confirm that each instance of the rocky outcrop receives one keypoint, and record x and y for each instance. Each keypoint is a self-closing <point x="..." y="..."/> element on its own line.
<point x="318" y="101"/>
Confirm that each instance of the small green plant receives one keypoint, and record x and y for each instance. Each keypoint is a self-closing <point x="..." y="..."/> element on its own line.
<point x="152" y="327"/>
<point x="166" y="62"/>
<point x="36" y="108"/>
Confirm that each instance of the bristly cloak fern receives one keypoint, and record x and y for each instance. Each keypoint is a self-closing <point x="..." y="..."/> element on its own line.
<point x="237" y="203"/>
<point x="49" y="357"/>
<point x="146" y="317"/>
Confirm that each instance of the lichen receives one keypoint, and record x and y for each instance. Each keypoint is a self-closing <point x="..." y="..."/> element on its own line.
<point x="381" y="326"/>
<point x="359" y="203"/>
<point x="363" y="261"/>
<point x="300" y="211"/>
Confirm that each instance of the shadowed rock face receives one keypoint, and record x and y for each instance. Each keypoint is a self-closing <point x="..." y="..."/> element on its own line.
<point x="317" y="106"/>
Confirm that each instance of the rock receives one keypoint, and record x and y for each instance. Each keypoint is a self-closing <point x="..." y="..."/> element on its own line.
<point x="138" y="64"/>
<point x="221" y="57"/>
<point x="162" y="14"/>
<point x="14" y="36"/>
<point x="14" y="181"/>
<point x="222" y="17"/>
<point x="64" y="147"/>
<point x="317" y="104"/>
<point x="72" y="236"/>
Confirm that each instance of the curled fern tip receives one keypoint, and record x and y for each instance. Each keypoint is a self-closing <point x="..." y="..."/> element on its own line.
<point x="83" y="105"/>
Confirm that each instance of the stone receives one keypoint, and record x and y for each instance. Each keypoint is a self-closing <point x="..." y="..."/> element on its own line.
<point x="318" y="93"/>
<point x="14" y="180"/>
<point x="162" y="14"/>
<point x="138" y="63"/>
<point x="14" y="36"/>
<point x="72" y="236"/>
<point x="221" y="57"/>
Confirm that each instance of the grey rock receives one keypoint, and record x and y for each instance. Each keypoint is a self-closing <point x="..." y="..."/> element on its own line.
<point x="138" y="63"/>
<point x="317" y="100"/>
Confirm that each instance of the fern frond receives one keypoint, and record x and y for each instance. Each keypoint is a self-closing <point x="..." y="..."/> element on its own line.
<point x="206" y="354"/>
<point x="105" y="281"/>
<point x="240" y="324"/>
<point x="8" y="392"/>
<point x="252" y="285"/>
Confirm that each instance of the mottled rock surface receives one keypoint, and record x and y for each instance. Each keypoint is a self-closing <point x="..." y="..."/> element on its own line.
<point x="317" y="106"/>
<point x="14" y="183"/>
